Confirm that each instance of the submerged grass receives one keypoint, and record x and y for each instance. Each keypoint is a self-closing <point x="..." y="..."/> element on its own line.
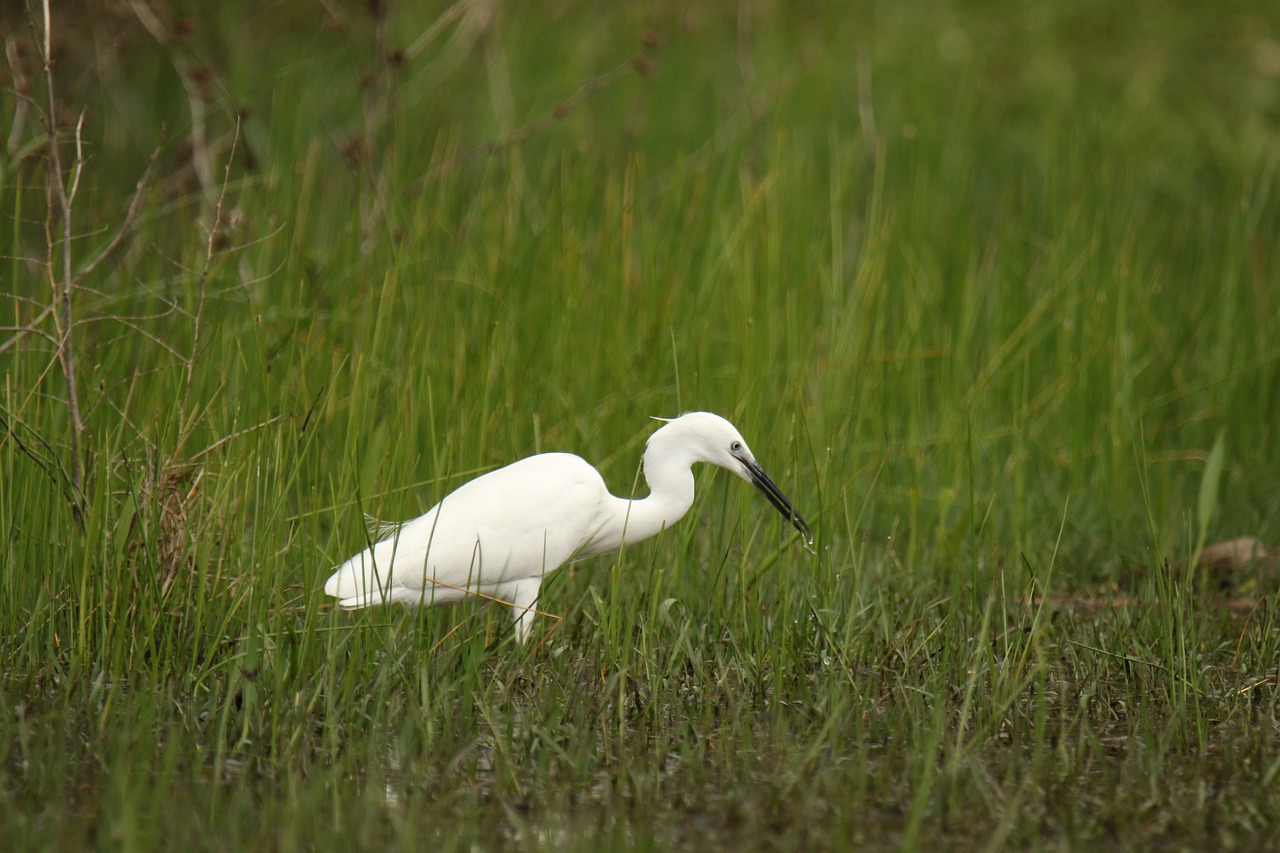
<point x="992" y="293"/>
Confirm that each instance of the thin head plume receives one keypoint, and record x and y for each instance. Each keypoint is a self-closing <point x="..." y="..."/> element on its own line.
<point x="664" y="420"/>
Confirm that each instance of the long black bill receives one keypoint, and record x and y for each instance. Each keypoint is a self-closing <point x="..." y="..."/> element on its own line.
<point x="770" y="490"/>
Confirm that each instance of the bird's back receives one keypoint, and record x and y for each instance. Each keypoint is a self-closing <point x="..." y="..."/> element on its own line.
<point x="517" y="522"/>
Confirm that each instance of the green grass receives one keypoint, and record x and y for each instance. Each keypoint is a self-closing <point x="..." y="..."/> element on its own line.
<point x="982" y="285"/>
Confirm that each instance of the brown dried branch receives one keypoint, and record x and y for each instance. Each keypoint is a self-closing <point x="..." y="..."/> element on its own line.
<point x="29" y="329"/>
<point x="62" y="189"/>
<point x="198" y="315"/>
<point x="194" y="82"/>
<point x="130" y="216"/>
<point x="47" y="461"/>
<point x="226" y="439"/>
<point x="17" y="69"/>
<point x="447" y="17"/>
<point x="57" y="191"/>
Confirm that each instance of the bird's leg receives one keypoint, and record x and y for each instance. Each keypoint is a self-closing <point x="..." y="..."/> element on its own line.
<point x="523" y="596"/>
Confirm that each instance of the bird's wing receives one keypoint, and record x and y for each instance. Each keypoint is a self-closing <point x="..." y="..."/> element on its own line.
<point x="380" y="528"/>
<point x="517" y="522"/>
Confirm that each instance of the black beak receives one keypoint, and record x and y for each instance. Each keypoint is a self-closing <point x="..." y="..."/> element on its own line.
<point x="770" y="490"/>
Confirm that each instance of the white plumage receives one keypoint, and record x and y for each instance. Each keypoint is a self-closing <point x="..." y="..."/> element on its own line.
<point x="500" y="534"/>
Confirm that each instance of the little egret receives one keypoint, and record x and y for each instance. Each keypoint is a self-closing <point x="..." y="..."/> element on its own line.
<point x="500" y="534"/>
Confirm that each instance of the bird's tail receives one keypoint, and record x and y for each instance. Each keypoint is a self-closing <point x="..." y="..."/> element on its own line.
<point x="357" y="582"/>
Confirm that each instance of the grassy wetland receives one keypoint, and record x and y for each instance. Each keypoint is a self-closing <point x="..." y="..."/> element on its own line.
<point x="993" y="291"/>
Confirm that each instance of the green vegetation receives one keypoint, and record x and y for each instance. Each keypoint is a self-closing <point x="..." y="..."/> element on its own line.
<point x="993" y="291"/>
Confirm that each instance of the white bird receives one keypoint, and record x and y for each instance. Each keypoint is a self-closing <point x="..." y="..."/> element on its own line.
<point x="502" y="533"/>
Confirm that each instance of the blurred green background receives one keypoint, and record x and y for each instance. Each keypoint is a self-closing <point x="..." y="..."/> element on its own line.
<point x="991" y="290"/>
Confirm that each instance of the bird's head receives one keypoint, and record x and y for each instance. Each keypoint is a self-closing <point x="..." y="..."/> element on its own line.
<point x="705" y="437"/>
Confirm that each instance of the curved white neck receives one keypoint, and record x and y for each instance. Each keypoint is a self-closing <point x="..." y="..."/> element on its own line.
<point x="670" y="480"/>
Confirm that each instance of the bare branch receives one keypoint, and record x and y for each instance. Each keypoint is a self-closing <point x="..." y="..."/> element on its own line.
<point x="29" y="300"/>
<point x="238" y="434"/>
<point x="26" y="330"/>
<point x="151" y="336"/>
<point x="23" y="104"/>
<point x="126" y="227"/>
<point x="79" y="167"/>
<point x="47" y="462"/>
<point x="204" y="279"/>
<point x="29" y="329"/>
<point x="63" y="290"/>
<point x="447" y="17"/>
<point x="133" y="318"/>
<point x="222" y="195"/>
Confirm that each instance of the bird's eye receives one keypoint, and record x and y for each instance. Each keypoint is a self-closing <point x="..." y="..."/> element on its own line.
<point x="736" y="447"/>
